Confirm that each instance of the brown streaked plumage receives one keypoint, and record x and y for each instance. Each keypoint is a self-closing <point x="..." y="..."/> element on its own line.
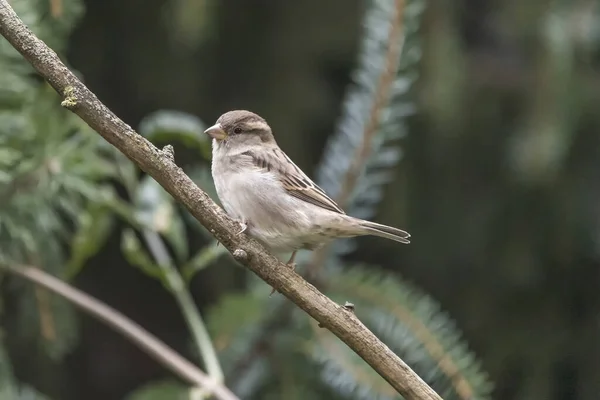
<point x="275" y="202"/>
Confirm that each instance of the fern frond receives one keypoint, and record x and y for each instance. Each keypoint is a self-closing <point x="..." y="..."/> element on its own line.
<point x="49" y="184"/>
<point x="413" y="326"/>
<point x="373" y="111"/>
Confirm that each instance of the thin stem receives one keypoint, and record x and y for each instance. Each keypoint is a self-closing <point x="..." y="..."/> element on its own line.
<point x="134" y="332"/>
<point x="186" y="304"/>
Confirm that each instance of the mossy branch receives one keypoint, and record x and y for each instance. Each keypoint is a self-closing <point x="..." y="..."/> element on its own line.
<point x="247" y="251"/>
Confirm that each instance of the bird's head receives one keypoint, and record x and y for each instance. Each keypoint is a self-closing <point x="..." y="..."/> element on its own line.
<point x="240" y="127"/>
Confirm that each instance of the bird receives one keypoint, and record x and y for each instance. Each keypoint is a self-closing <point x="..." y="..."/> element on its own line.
<point x="271" y="198"/>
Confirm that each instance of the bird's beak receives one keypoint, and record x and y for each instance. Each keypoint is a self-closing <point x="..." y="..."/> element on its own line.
<point x="216" y="132"/>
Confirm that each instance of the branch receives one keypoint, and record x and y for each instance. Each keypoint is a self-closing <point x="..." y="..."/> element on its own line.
<point x="245" y="250"/>
<point x="138" y="335"/>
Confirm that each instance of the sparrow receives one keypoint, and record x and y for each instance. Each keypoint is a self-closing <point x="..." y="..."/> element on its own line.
<point x="272" y="199"/>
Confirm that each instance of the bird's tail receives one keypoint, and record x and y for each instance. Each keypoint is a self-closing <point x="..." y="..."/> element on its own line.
<point x="384" y="231"/>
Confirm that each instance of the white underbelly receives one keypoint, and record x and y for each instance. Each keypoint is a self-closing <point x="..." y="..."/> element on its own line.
<point x="278" y="220"/>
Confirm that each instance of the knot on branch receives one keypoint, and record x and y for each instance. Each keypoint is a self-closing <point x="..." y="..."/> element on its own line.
<point x="169" y="151"/>
<point x="349" y="307"/>
<point x="346" y="307"/>
<point x="240" y="255"/>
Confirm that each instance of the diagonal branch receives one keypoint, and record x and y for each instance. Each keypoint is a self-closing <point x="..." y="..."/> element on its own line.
<point x="247" y="251"/>
<point x="148" y="342"/>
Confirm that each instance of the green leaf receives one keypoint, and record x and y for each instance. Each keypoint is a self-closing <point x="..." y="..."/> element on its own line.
<point x="203" y="258"/>
<point x="136" y="255"/>
<point x="168" y="126"/>
<point x="161" y="390"/>
<point x="93" y="230"/>
<point x="155" y="209"/>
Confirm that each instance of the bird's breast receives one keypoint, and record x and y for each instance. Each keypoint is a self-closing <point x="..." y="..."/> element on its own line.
<point x="257" y="197"/>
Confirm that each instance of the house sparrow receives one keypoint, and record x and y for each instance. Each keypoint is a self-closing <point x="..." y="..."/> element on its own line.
<point x="273" y="200"/>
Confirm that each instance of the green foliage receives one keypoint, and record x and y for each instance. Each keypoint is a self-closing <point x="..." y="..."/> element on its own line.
<point x="54" y="171"/>
<point x="137" y="256"/>
<point x="203" y="258"/>
<point x="362" y="97"/>
<point x="155" y="209"/>
<point x="46" y="187"/>
<point x="413" y="326"/>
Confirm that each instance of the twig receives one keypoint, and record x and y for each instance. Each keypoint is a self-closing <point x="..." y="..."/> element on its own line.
<point x="184" y="299"/>
<point x="119" y="322"/>
<point x="247" y="251"/>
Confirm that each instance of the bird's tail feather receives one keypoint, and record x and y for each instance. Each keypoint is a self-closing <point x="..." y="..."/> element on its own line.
<point x="384" y="231"/>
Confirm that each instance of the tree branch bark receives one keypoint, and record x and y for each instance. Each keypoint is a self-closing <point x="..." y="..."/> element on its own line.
<point x="341" y="322"/>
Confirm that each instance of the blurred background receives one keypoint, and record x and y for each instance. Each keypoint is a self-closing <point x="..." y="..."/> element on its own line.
<point x="481" y="140"/>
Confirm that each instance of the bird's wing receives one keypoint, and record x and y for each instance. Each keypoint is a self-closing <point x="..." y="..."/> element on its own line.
<point x="294" y="181"/>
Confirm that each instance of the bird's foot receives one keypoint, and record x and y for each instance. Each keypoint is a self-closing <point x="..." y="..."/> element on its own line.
<point x="291" y="265"/>
<point x="291" y="262"/>
<point x="243" y="227"/>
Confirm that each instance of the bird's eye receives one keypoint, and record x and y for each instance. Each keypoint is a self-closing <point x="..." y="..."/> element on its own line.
<point x="237" y="130"/>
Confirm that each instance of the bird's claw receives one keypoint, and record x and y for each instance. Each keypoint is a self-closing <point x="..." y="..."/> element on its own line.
<point x="290" y="264"/>
<point x="243" y="227"/>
